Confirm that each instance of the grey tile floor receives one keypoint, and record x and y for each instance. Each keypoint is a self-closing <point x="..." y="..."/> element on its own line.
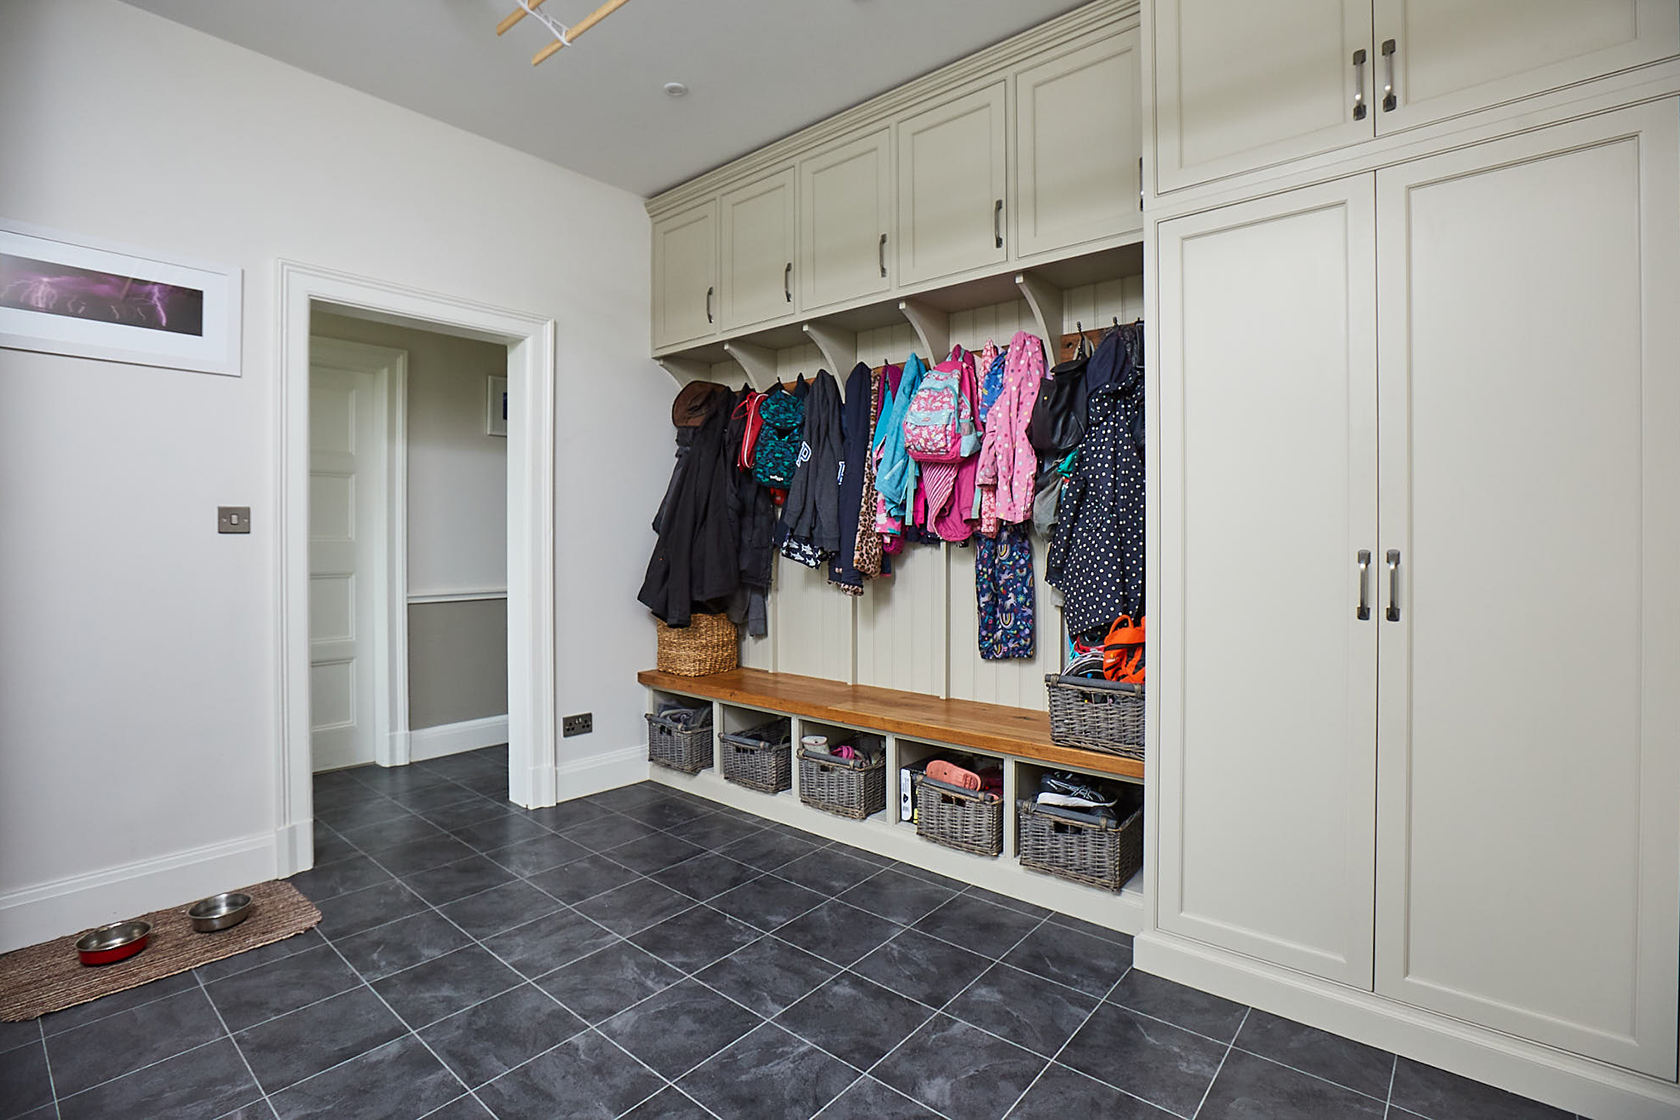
<point x="649" y="955"/>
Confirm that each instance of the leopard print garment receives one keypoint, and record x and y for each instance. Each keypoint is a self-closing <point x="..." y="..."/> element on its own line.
<point x="867" y="550"/>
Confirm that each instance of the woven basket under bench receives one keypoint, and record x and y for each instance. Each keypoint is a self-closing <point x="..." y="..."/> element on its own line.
<point x="1104" y="855"/>
<point x="966" y="820"/>
<point x="676" y="747"/>
<point x="761" y="757"/>
<point x="1098" y="715"/>
<point x="854" y="788"/>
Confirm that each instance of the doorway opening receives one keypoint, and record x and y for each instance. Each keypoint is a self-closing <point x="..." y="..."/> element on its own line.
<point x="400" y="642"/>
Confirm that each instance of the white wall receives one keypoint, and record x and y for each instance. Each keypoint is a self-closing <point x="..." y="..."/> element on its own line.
<point x="138" y="650"/>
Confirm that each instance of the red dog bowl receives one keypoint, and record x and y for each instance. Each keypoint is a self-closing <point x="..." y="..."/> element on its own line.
<point x="113" y="942"/>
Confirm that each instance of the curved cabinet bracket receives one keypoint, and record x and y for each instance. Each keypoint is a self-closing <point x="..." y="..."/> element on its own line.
<point x="758" y="362"/>
<point x="684" y="370"/>
<point x="933" y="327"/>
<point x="1045" y="300"/>
<point x="838" y="346"/>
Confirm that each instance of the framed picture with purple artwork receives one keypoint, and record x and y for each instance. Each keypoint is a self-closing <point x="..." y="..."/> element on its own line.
<point x="64" y="294"/>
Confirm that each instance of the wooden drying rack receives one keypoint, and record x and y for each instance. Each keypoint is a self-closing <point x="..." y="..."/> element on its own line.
<point x="562" y="38"/>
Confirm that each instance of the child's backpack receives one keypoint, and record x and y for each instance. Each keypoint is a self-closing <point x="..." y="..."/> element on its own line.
<point x="776" y="452"/>
<point x="939" y="426"/>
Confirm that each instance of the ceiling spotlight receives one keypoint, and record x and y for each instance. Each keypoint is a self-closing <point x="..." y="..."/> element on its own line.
<point x="675" y="89"/>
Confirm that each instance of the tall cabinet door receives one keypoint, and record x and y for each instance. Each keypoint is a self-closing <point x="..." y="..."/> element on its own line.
<point x="1449" y="57"/>
<point x="1267" y="674"/>
<point x="685" y="275"/>
<point x="1077" y="140"/>
<point x="1529" y="796"/>
<point x="845" y="210"/>
<point x="951" y="168"/>
<point x="1240" y="86"/>
<point x="757" y="262"/>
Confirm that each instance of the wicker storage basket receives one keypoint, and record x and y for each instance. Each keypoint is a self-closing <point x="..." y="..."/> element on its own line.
<point x="679" y="748"/>
<point x="760" y="758"/>
<point x="846" y="788"/>
<point x="1101" y="855"/>
<point x="708" y="644"/>
<point x="959" y="818"/>
<point x="1097" y="715"/>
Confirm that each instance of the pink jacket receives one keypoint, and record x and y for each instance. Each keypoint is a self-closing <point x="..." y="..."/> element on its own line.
<point x="1007" y="460"/>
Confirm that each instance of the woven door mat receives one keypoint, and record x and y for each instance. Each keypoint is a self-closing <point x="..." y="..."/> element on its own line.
<point x="50" y="976"/>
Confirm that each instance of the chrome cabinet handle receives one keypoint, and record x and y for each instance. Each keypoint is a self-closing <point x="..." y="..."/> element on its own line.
<point x="1364" y="611"/>
<point x="997" y="223"/>
<point x="1394" y="585"/>
<point x="1390" y="102"/>
<point x="1359" y="84"/>
<point x="787" y="282"/>
<point x="883" y="252"/>
<point x="709" y="305"/>
<point x="1140" y="183"/>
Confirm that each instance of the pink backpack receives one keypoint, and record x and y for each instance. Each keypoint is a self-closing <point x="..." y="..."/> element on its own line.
<point x="939" y="426"/>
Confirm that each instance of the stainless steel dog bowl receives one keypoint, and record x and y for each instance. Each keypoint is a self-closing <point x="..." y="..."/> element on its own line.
<point x="220" y="911"/>
<point x="114" y="942"/>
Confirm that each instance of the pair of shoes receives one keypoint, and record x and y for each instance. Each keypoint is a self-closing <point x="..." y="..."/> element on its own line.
<point x="953" y="775"/>
<point x="1058" y="787"/>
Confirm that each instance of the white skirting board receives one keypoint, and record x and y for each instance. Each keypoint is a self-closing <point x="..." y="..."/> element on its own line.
<point x="80" y="902"/>
<point x="453" y="738"/>
<point x="598" y="773"/>
<point x="1576" y="1084"/>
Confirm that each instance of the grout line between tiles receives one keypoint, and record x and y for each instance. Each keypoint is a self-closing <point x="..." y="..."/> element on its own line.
<point x="246" y="1062"/>
<point x="46" y="1056"/>
<point x="1232" y="1045"/>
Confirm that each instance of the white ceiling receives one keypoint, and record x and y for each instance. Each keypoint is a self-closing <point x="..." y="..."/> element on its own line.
<point x="756" y="69"/>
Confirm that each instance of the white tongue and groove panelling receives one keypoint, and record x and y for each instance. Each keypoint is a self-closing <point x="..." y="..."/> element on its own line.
<point x="917" y="630"/>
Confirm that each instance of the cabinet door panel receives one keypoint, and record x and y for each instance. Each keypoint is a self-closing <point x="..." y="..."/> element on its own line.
<point x="1077" y="143"/>
<point x="1240" y="86"/>
<point x="845" y="209"/>
<point x="685" y="275"/>
<point x="758" y="234"/>
<point x="1529" y="799"/>
<point x="1267" y="676"/>
<point x="951" y="165"/>
<point x="1453" y="57"/>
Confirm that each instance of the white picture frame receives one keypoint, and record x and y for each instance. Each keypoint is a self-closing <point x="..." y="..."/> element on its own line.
<point x="496" y="406"/>
<point x="63" y="293"/>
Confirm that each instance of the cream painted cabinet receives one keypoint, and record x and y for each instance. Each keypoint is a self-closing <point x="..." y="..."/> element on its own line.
<point x="1076" y="144"/>
<point x="1529" y="364"/>
<point x="1268" y="680"/>
<point x="1448" y="57"/>
<point x="1446" y="691"/>
<point x="845" y="215"/>
<point x="758" y="250"/>
<point x="1242" y="86"/>
<point x="952" y="211"/>
<point x="685" y="255"/>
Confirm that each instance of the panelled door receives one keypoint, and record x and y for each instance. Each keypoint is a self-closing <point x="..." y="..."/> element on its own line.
<point x="845" y="205"/>
<point x="1448" y="57"/>
<point x="685" y="275"/>
<point x="1241" y="86"/>
<point x="951" y="169"/>
<point x="758" y="239"/>
<point x="347" y="452"/>
<point x="1077" y="129"/>
<point x="1268" y="497"/>
<point x="1529" y="365"/>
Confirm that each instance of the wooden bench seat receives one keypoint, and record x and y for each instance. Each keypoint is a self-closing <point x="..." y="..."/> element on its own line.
<point x="1018" y="732"/>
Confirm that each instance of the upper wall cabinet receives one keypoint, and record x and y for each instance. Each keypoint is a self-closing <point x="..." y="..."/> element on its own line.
<point x="1240" y="86"/>
<point x="1445" y="57"/>
<point x="1076" y="145"/>
<point x="758" y="250"/>
<point x="845" y="208"/>
<point x="685" y="274"/>
<point x="951" y="173"/>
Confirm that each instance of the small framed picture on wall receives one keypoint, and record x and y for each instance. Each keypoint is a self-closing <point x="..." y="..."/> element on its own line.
<point x="496" y="408"/>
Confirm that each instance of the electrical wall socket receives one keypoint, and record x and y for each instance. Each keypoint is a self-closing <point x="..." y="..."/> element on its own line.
<point x="577" y="725"/>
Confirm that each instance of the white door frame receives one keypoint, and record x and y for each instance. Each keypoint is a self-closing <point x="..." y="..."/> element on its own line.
<point x="531" y="342"/>
<point x="390" y="580"/>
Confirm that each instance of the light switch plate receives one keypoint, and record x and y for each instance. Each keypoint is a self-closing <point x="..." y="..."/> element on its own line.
<point x="233" y="519"/>
<point x="577" y="725"/>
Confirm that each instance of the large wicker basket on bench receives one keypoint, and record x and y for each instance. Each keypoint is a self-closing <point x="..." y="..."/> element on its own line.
<point x="708" y="644"/>
<point x="1096" y="714"/>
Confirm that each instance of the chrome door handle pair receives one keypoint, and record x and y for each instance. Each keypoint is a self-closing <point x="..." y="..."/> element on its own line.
<point x="1363" y="611"/>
